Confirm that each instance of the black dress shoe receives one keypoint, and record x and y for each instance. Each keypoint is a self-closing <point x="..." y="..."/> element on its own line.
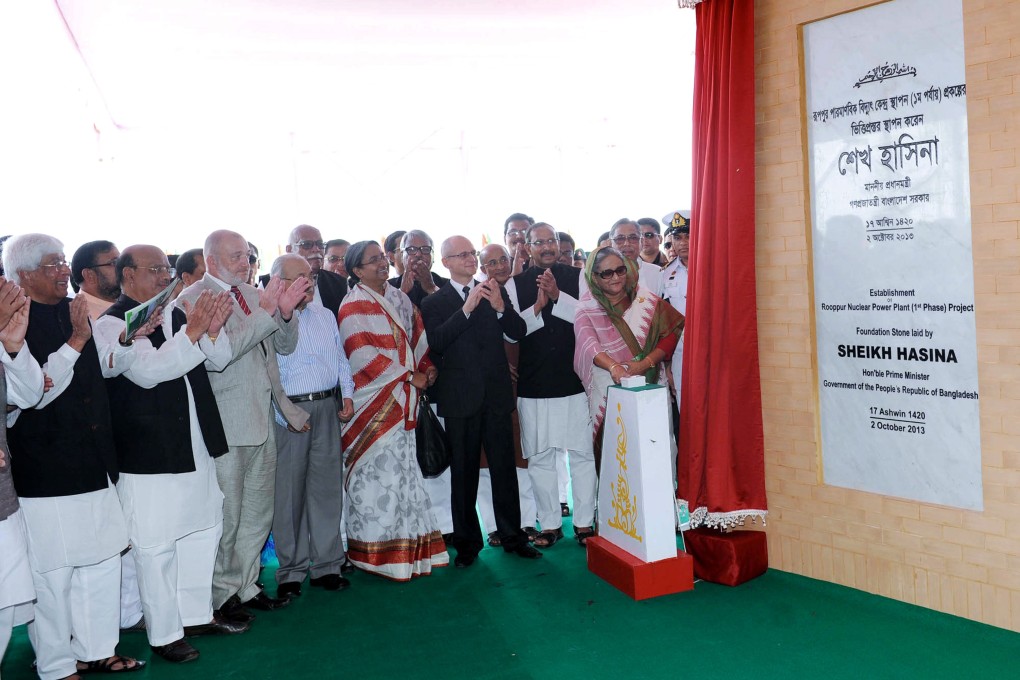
<point x="177" y="651"/>
<point x="348" y="567"/>
<point x="525" y="550"/>
<point x="331" y="582"/>
<point x="464" y="560"/>
<point x="289" y="589"/>
<point x="219" y="625"/>
<point x="231" y="610"/>
<point x="264" y="603"/>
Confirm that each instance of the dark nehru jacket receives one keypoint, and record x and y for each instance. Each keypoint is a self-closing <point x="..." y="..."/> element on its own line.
<point x="546" y="368"/>
<point x="65" y="448"/>
<point x="152" y="427"/>
<point x="417" y="293"/>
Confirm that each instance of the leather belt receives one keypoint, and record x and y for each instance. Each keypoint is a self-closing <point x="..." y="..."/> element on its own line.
<point x="314" y="396"/>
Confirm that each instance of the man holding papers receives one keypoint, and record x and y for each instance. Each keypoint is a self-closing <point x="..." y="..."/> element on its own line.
<point x="167" y="430"/>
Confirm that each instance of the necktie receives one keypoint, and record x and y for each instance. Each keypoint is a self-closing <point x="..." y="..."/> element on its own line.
<point x="466" y="290"/>
<point x="240" y="300"/>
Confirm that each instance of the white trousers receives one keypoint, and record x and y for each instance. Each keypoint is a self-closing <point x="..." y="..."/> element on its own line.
<point x="130" y="598"/>
<point x="528" y="510"/>
<point x="562" y="474"/>
<point x="6" y="624"/>
<point x="544" y="482"/>
<point x="77" y="616"/>
<point x="175" y="580"/>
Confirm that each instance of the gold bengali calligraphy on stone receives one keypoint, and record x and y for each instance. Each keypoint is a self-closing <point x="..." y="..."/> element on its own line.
<point x="624" y="504"/>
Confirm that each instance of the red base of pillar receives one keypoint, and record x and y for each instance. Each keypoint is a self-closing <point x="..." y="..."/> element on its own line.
<point x="640" y="580"/>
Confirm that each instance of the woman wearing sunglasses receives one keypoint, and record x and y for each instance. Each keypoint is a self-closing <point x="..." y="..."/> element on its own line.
<point x="621" y="329"/>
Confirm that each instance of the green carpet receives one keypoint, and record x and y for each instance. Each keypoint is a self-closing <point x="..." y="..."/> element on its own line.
<point x="506" y="617"/>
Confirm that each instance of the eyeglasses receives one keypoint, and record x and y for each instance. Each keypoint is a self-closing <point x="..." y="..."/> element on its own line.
<point x="606" y="274"/>
<point x="545" y="242"/>
<point x="54" y="266"/>
<point x="333" y="259"/>
<point x="620" y="240"/>
<point x="161" y="269"/>
<point x="424" y="250"/>
<point x="465" y="254"/>
<point x="104" y="264"/>
<point x="308" y="245"/>
<point x="504" y="260"/>
<point x="648" y="234"/>
<point x="375" y="259"/>
<point x="516" y="232"/>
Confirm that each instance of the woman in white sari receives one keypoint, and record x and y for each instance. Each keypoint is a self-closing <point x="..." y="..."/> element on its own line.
<point x="391" y="529"/>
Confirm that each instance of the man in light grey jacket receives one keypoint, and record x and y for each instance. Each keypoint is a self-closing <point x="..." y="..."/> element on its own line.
<point x="261" y="326"/>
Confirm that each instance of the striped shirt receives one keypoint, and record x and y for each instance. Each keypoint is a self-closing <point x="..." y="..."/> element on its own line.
<point x="319" y="363"/>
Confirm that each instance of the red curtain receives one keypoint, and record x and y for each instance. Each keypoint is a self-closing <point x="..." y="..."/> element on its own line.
<point x="721" y="466"/>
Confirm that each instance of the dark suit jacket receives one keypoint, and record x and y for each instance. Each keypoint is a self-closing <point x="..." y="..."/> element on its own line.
<point x="332" y="289"/>
<point x="474" y="369"/>
<point x="417" y="293"/>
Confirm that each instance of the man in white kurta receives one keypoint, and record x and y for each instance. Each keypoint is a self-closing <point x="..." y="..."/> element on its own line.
<point x="21" y="385"/>
<point x="551" y="401"/>
<point x="174" y="518"/>
<point x="64" y="475"/>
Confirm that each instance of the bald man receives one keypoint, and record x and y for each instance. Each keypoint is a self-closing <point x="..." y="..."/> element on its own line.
<point x="261" y="325"/>
<point x="167" y="431"/>
<point x="496" y="263"/>
<point x="465" y="322"/>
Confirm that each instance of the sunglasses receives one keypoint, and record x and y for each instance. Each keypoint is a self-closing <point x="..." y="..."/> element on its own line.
<point x="610" y="273"/>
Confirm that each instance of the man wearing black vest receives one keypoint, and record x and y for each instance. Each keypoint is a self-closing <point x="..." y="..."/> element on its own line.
<point x="551" y="403"/>
<point x="65" y="467"/>
<point x="306" y="241"/>
<point x="167" y="429"/>
<point x="465" y="322"/>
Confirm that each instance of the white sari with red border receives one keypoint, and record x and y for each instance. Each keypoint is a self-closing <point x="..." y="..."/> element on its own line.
<point x="391" y="528"/>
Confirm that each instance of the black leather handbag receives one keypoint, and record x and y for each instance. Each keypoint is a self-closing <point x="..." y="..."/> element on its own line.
<point x="431" y="441"/>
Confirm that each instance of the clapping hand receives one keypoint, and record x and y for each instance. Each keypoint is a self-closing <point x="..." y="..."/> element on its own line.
<point x="474" y="297"/>
<point x="12" y="335"/>
<point x="293" y="296"/>
<point x="223" y="307"/>
<point x="269" y="297"/>
<point x="11" y="300"/>
<point x="200" y="315"/>
<point x="547" y="284"/>
<point x="494" y="294"/>
<point x="81" y="327"/>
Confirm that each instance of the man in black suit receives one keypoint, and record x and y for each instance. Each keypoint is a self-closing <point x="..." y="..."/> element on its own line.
<point x="465" y="322"/>
<point x="330" y="289"/>
<point x="418" y="279"/>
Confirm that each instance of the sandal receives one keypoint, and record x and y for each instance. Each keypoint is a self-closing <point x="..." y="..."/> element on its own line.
<point x="112" y="664"/>
<point x="564" y="510"/>
<point x="532" y="533"/>
<point x="582" y="534"/>
<point x="548" y="538"/>
<point x="494" y="540"/>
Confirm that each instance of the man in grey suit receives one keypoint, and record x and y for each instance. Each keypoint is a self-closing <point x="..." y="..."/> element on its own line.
<point x="261" y="326"/>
